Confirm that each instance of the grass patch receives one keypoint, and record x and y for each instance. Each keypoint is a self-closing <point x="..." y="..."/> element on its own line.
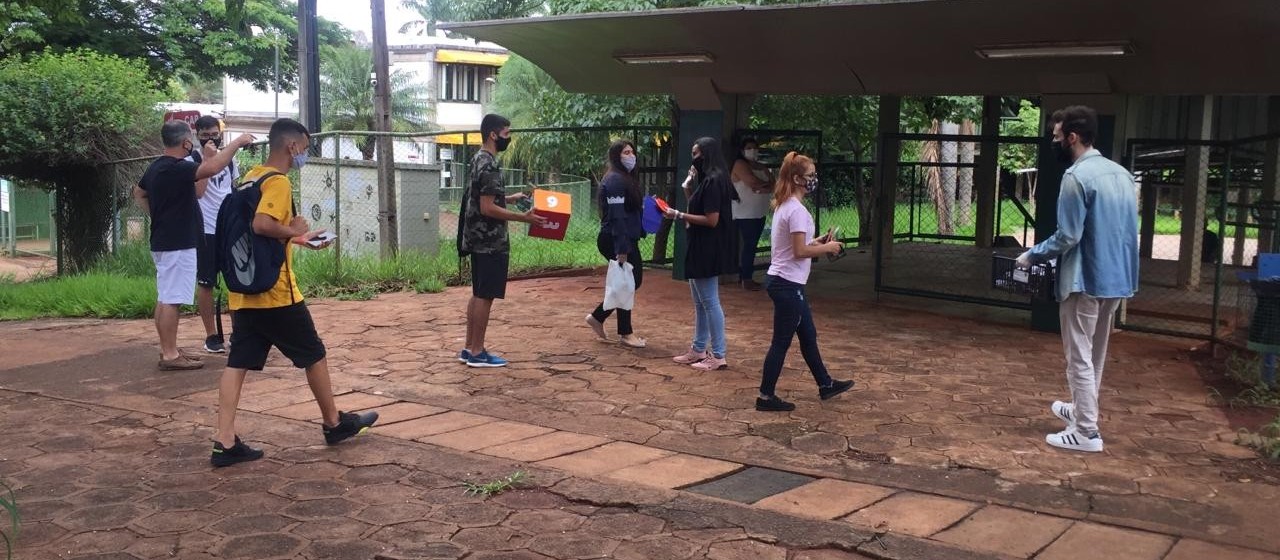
<point x="496" y="487"/>
<point x="122" y="285"/>
<point x="88" y="295"/>
<point x="924" y="220"/>
<point x="9" y="506"/>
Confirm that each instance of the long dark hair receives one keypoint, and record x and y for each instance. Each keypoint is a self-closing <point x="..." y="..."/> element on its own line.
<point x="714" y="167"/>
<point x="742" y="146"/>
<point x="635" y="194"/>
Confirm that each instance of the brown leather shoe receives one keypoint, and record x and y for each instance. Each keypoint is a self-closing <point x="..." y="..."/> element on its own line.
<point x="180" y="363"/>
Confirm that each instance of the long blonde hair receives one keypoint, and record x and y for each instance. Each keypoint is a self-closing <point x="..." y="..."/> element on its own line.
<point x="793" y="166"/>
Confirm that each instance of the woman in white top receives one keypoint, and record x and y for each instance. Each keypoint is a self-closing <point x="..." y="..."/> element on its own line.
<point x="793" y="248"/>
<point x="754" y="184"/>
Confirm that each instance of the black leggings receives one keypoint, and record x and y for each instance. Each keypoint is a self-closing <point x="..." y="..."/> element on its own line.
<point x="604" y="243"/>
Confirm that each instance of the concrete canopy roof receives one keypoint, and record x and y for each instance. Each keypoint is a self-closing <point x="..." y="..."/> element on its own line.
<point x="909" y="47"/>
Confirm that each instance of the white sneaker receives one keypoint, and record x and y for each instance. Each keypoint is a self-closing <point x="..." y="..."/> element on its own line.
<point x="1072" y="439"/>
<point x="1065" y="411"/>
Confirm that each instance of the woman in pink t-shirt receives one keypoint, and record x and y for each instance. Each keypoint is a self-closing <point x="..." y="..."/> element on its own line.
<point x="793" y="247"/>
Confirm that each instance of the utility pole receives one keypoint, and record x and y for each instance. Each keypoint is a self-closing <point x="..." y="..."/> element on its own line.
<point x="388" y="229"/>
<point x="308" y="66"/>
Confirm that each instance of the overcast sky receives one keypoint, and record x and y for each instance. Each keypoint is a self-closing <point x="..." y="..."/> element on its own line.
<point x="355" y="15"/>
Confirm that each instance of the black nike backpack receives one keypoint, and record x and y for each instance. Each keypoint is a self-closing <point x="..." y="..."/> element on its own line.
<point x="249" y="263"/>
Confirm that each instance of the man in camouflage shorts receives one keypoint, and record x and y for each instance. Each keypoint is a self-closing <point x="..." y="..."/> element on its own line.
<point x="482" y="233"/>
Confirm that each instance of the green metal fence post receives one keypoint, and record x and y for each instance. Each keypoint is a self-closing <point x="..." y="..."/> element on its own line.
<point x="55" y="233"/>
<point x="337" y="205"/>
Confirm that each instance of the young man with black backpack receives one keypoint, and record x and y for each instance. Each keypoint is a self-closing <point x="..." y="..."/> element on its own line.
<point x="276" y="316"/>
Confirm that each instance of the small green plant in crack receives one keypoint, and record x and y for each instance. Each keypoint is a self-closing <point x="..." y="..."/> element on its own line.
<point x="499" y="486"/>
<point x="1265" y="441"/>
<point x="9" y="505"/>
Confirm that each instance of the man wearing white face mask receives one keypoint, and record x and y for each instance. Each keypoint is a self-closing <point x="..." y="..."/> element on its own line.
<point x="621" y="205"/>
<point x="754" y="184"/>
<point x="278" y="317"/>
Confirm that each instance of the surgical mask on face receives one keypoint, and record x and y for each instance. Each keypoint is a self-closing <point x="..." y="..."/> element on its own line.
<point x="629" y="162"/>
<point x="501" y="143"/>
<point x="750" y="155"/>
<point x="300" y="159"/>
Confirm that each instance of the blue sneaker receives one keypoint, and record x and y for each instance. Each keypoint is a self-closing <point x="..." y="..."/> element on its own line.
<point x="485" y="359"/>
<point x="464" y="356"/>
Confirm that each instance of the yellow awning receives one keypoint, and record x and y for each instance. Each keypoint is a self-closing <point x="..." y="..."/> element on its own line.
<point x="471" y="57"/>
<point x="456" y="139"/>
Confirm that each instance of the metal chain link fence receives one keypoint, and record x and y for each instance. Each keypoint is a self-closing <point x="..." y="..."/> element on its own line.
<point x="934" y="248"/>
<point x="338" y="190"/>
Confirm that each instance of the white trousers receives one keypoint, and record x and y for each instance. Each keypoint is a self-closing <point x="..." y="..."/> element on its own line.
<point x="1086" y="328"/>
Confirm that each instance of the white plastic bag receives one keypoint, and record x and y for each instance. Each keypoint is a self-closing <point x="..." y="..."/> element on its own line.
<point x="619" y="287"/>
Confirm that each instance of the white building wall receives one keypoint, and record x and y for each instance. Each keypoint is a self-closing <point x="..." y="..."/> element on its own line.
<point x="241" y="98"/>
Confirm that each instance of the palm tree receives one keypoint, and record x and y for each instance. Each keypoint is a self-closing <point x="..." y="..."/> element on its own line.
<point x="346" y="96"/>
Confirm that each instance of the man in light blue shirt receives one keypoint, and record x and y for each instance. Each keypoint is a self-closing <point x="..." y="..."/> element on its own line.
<point x="1096" y="245"/>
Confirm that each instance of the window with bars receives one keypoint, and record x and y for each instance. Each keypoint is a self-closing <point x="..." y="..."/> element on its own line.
<point x="464" y="83"/>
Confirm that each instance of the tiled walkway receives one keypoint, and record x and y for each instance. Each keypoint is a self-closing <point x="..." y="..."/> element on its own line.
<point x="941" y="439"/>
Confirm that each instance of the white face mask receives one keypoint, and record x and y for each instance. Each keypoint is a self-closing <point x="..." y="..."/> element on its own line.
<point x="750" y="155"/>
<point x="629" y="162"/>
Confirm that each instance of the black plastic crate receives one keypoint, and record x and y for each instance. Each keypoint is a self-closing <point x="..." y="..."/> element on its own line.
<point x="1036" y="281"/>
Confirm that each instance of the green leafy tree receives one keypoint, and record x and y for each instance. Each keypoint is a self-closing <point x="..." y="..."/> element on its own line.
<point x="531" y="99"/>
<point x="436" y="11"/>
<point x="346" y="96"/>
<point x="195" y="89"/>
<point x="193" y="38"/>
<point x="63" y="116"/>
<point x="20" y="22"/>
<point x="1020" y="156"/>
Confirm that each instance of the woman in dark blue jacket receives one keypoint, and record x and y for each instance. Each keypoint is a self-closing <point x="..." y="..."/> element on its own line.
<point x="621" y="205"/>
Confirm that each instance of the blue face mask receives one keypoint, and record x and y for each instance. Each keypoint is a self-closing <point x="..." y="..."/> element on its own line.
<point x="629" y="162"/>
<point x="299" y="160"/>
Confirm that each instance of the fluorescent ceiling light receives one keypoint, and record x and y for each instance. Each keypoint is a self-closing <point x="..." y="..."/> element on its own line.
<point x="1055" y="50"/>
<point x="665" y="58"/>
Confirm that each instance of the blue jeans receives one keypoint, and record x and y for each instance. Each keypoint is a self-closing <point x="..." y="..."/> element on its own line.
<point x="749" y="230"/>
<point x="791" y="317"/>
<point x="709" y="325"/>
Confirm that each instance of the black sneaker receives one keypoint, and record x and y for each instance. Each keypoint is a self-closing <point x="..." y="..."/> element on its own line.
<point x="213" y="345"/>
<point x="834" y="389"/>
<point x="238" y="453"/>
<point x="350" y="424"/>
<point x="773" y="404"/>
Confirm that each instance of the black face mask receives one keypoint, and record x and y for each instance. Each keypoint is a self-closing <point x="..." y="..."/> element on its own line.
<point x="501" y="143"/>
<point x="698" y="164"/>
<point x="1063" y="153"/>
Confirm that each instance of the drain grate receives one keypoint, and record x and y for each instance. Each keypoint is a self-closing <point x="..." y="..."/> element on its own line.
<point x="751" y="485"/>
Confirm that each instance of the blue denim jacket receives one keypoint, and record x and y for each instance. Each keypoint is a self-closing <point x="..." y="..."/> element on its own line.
<point x="1097" y="238"/>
